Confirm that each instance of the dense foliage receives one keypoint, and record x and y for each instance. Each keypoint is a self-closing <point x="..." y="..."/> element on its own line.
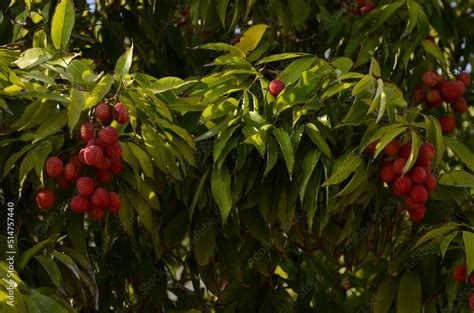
<point x="236" y="197"/>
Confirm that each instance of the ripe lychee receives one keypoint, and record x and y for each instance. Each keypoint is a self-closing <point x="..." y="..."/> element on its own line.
<point x="405" y="151"/>
<point x="120" y="113"/>
<point x="367" y="8"/>
<point x="460" y="273"/>
<point x="418" y="194"/>
<point x="63" y="183"/>
<point x="96" y="214"/>
<point x="417" y="213"/>
<point x="460" y="87"/>
<point x="423" y="163"/>
<point x="54" y="166"/>
<point x="70" y="172"/>
<point x="418" y="95"/>
<point x="398" y="165"/>
<point x="427" y="151"/>
<point x="387" y="174"/>
<point x="116" y="166"/>
<point x="103" y="164"/>
<point x="275" y="87"/>
<point x="81" y="154"/>
<point x="430" y="183"/>
<point x="465" y="78"/>
<point x="372" y="147"/>
<point x="87" y="131"/>
<point x="433" y="98"/>
<point x="109" y="135"/>
<point x="430" y="78"/>
<point x="418" y="175"/>
<point x="93" y="155"/>
<point x="103" y="112"/>
<point x="114" y="202"/>
<point x="80" y="204"/>
<point x="104" y="176"/>
<point x="449" y="91"/>
<point x="45" y="199"/>
<point x="114" y="151"/>
<point x="459" y="105"/>
<point x="401" y="185"/>
<point x="448" y="124"/>
<point x="96" y="142"/>
<point x="85" y="185"/>
<point x="392" y="148"/>
<point x="100" y="198"/>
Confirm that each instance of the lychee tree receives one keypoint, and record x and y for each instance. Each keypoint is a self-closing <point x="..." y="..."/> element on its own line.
<point x="294" y="177"/>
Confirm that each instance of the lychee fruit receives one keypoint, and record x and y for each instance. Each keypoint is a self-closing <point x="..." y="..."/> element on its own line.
<point x="427" y="151"/>
<point x="392" y="148"/>
<point x="418" y="194"/>
<point x="418" y="175"/>
<point x="87" y="131"/>
<point x="45" y="199"/>
<point x="114" y="151"/>
<point x="103" y="112"/>
<point x="70" y="172"/>
<point x="95" y="214"/>
<point x="93" y="155"/>
<point x="460" y="273"/>
<point x="85" y="186"/>
<point x="402" y="185"/>
<point x="430" y="183"/>
<point x="100" y="198"/>
<point x="104" y="176"/>
<point x="405" y="151"/>
<point x="387" y="174"/>
<point x="460" y="87"/>
<point x="398" y="165"/>
<point x="114" y="202"/>
<point x="430" y="78"/>
<point x="54" y="166"/>
<point x="423" y="163"/>
<point x="80" y="204"/>
<point x="275" y="87"/>
<point x="417" y="213"/>
<point x="109" y="135"/>
<point x="120" y="113"/>
<point x="448" y="124"/>
<point x="96" y="142"/>
<point x="116" y="166"/>
<point x="433" y="98"/>
<point x="449" y="91"/>
<point x="63" y="183"/>
<point x="465" y="78"/>
<point x="372" y="147"/>
<point x="103" y="164"/>
<point x="367" y="8"/>
<point x="81" y="154"/>
<point x="418" y="95"/>
<point x="459" y="105"/>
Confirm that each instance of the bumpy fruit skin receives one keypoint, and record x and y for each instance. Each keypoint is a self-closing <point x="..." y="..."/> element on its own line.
<point x="109" y="135"/>
<point x="460" y="87"/>
<point x="93" y="155"/>
<point x="449" y="91"/>
<point x="96" y="142"/>
<point x="103" y="112"/>
<point x="460" y="105"/>
<point x="372" y="147"/>
<point x="85" y="186"/>
<point x="120" y="113"/>
<point x="45" y="199"/>
<point x="116" y="166"/>
<point x="402" y="185"/>
<point x="103" y="164"/>
<point x="96" y="214"/>
<point x="426" y="164"/>
<point x="82" y="159"/>
<point x="405" y="151"/>
<point x="392" y="148"/>
<point x="427" y="152"/>
<point x="398" y="165"/>
<point x="103" y="176"/>
<point x="460" y="273"/>
<point x="418" y="175"/>
<point x="70" y="172"/>
<point x="448" y="124"/>
<point x="465" y="78"/>
<point x="87" y="131"/>
<point x="430" y="183"/>
<point x="387" y="174"/>
<point x="114" y="151"/>
<point x="434" y="99"/>
<point x="114" y="202"/>
<point x="80" y="204"/>
<point x="76" y="160"/>
<point x="418" y="95"/>
<point x="430" y="78"/>
<point x="100" y="198"/>
<point x="417" y="214"/>
<point x="275" y="87"/>
<point x="418" y="194"/>
<point x="54" y="166"/>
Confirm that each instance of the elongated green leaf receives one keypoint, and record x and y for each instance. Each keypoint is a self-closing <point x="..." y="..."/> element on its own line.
<point x="204" y="242"/>
<point x="15" y="157"/>
<point x="39" y="303"/>
<point x="122" y="67"/>
<point x="221" y="8"/>
<point x="250" y="38"/>
<point x="143" y="159"/>
<point x="293" y="71"/>
<point x="282" y="56"/>
<point x="468" y="238"/>
<point x="286" y="147"/>
<point x="457" y="179"/>
<point x="52" y="125"/>
<point x="309" y="163"/>
<point x="385" y="295"/>
<point x="434" y="50"/>
<point x="415" y="144"/>
<point x="315" y="136"/>
<point x="222" y="47"/>
<point x="169" y="83"/>
<point x="33" y="57"/>
<point x="347" y="165"/>
<point x="51" y="268"/>
<point x="62" y="24"/>
<point x="74" y="110"/>
<point x="99" y="91"/>
<point x="34" y="159"/>
<point x="462" y="151"/>
<point x="220" y="187"/>
<point x="143" y="209"/>
<point x="272" y="155"/>
<point x="198" y="193"/>
<point x="409" y="297"/>
<point x="366" y="83"/>
<point x="26" y="256"/>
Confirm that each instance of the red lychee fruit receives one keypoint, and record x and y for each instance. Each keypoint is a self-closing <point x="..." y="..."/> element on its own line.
<point x="100" y="198"/>
<point x="401" y="185"/>
<point x="460" y="273"/>
<point x="109" y="135"/>
<point x="418" y="194"/>
<point x="372" y="147"/>
<point x="104" y="176"/>
<point x="54" y="166"/>
<point x="116" y="166"/>
<point x="433" y="98"/>
<point x="45" y="199"/>
<point x="448" y="124"/>
<point x="459" y="105"/>
<point x="418" y="175"/>
<point x="392" y="148"/>
<point x="430" y="78"/>
<point x="85" y="186"/>
<point x="398" y="165"/>
<point x="96" y="142"/>
<point x="427" y="152"/>
<point x="423" y="163"/>
<point x="76" y="160"/>
<point x="114" y="202"/>
<point x="114" y="151"/>
<point x="63" y="183"/>
<point x="95" y="214"/>
<point x="104" y="164"/>
<point x="103" y="112"/>
<point x="405" y="151"/>
<point x="418" y="95"/>
<point x="81" y="156"/>
<point x="449" y="91"/>
<point x="120" y="113"/>
<point x="70" y="172"/>
<point x="417" y="213"/>
<point x="465" y="78"/>
<point x="80" y="204"/>
<point x="275" y="87"/>
<point x="93" y="155"/>
<point x="460" y="87"/>
<point x="387" y="174"/>
<point x="367" y="8"/>
<point x="430" y="183"/>
<point x="87" y="131"/>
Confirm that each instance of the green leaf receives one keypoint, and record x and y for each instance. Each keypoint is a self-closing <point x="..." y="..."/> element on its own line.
<point x="99" y="91"/>
<point x="347" y="164"/>
<point x="409" y="299"/>
<point x="143" y="159"/>
<point x="62" y="24"/>
<point x="39" y="303"/>
<point x="283" y="56"/>
<point x="52" y="125"/>
<point x="204" y="241"/>
<point x="463" y="152"/>
<point x="143" y="209"/>
<point x="468" y="239"/>
<point x="250" y="39"/>
<point x="366" y="83"/>
<point x="457" y="179"/>
<point x="389" y="134"/>
<point x="293" y="71"/>
<point x="26" y="256"/>
<point x="220" y="187"/>
<point x="168" y="83"/>
<point x="434" y="50"/>
<point x="435" y="136"/>
<point x="385" y="295"/>
<point x="309" y="163"/>
<point x="316" y="137"/>
<point x="435" y="234"/>
<point x="122" y="67"/>
<point x="74" y="110"/>
<point x="34" y="159"/>
<point x="33" y="57"/>
<point x="222" y="47"/>
<point x="272" y="155"/>
<point x="197" y="194"/>
<point x="13" y="158"/>
<point x="415" y="144"/>
<point x="221" y="8"/>
<point x="286" y="147"/>
<point x="51" y="268"/>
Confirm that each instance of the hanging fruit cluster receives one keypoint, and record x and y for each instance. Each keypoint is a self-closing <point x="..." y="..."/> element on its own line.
<point x="414" y="186"/>
<point x="436" y="90"/>
<point x="460" y="275"/>
<point x="92" y="167"/>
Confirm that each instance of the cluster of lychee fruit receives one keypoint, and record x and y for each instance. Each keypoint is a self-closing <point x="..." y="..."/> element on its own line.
<point x="363" y="7"/>
<point x="92" y="167"/>
<point x="436" y="89"/>
<point x="414" y="186"/>
<point x="275" y="87"/>
<point x="460" y="275"/>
